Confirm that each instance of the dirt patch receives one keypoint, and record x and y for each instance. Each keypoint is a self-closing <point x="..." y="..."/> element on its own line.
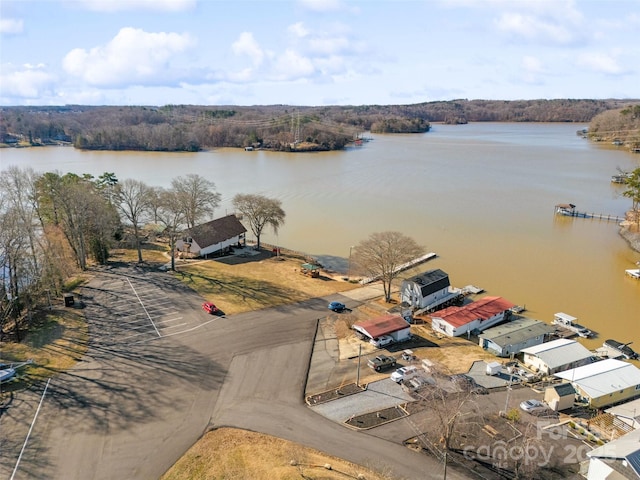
<point x="238" y="454"/>
<point x="375" y="419"/>
<point x="334" y="394"/>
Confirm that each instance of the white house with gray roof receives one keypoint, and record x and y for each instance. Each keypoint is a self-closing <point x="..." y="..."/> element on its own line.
<point x="616" y="460"/>
<point x="556" y="356"/>
<point x="429" y="290"/>
<point x="512" y="337"/>
<point x="214" y="237"/>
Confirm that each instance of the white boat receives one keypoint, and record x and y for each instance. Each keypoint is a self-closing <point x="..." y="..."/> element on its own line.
<point x="569" y="322"/>
<point x="634" y="273"/>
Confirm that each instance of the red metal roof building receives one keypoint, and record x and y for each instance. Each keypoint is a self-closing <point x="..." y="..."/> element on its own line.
<point x="474" y="317"/>
<point x="392" y="325"/>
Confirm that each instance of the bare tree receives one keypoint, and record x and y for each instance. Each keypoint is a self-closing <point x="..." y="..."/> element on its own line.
<point x="382" y="254"/>
<point x="133" y="201"/>
<point x="196" y="196"/>
<point x="171" y="215"/>
<point x="260" y="211"/>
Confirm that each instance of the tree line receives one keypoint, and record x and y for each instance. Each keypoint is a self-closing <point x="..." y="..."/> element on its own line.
<point x="275" y="127"/>
<point x="54" y="225"/>
<point x="620" y="127"/>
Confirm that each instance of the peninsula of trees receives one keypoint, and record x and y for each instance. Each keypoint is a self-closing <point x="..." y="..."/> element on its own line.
<point x="275" y="127"/>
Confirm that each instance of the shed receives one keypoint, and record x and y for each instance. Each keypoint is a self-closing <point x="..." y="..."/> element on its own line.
<point x="560" y="397"/>
<point x="514" y="336"/>
<point x="392" y="325"/>
<point x="604" y="383"/>
<point x="556" y="356"/>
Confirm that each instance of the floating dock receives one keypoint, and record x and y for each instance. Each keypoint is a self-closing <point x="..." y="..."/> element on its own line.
<point x="569" y="210"/>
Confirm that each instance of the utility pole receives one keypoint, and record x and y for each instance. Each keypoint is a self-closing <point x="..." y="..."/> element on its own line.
<point x="358" y="375"/>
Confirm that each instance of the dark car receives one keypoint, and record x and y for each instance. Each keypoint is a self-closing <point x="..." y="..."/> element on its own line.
<point x="337" y="306"/>
<point x="209" y="307"/>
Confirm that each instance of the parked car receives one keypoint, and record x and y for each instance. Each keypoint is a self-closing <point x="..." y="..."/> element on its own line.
<point x="337" y="306"/>
<point x="209" y="307"/>
<point x="381" y="361"/>
<point x="381" y="341"/>
<point x="534" y="407"/>
<point x="405" y="373"/>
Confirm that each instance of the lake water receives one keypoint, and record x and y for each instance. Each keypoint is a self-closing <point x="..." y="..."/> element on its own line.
<point x="481" y="196"/>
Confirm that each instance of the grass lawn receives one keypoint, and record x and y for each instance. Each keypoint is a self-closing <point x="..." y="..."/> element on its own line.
<point x="238" y="285"/>
<point x="232" y="454"/>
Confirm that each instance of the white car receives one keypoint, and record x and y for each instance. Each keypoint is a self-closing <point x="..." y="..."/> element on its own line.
<point x="405" y="373"/>
<point x="381" y="341"/>
<point x="533" y="406"/>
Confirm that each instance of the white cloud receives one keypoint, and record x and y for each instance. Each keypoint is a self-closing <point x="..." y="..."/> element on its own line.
<point x="291" y="66"/>
<point x="531" y="27"/>
<point x="298" y="30"/>
<point x="11" y="26"/>
<point x="322" y="5"/>
<point x="247" y="45"/>
<point x="27" y="81"/>
<point x="601" y="63"/>
<point x="532" y="68"/>
<point x="132" y="57"/>
<point x="129" y="5"/>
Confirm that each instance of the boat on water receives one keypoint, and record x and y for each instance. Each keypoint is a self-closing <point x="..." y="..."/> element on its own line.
<point x="568" y="209"/>
<point x="619" y="349"/>
<point x="569" y="322"/>
<point x="633" y="273"/>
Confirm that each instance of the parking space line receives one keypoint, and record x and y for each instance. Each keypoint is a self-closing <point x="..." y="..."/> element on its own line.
<point x="145" y="309"/>
<point x="24" y="445"/>
<point x="163" y="322"/>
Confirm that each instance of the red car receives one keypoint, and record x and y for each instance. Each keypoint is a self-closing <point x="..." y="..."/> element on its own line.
<point x="209" y="307"/>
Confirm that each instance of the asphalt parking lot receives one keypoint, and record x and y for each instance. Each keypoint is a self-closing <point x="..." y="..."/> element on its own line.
<point x="135" y="308"/>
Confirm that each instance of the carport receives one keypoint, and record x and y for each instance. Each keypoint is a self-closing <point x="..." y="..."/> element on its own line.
<point x="392" y="325"/>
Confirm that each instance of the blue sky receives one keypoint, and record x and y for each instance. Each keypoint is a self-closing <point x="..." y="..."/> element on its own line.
<point x="315" y="52"/>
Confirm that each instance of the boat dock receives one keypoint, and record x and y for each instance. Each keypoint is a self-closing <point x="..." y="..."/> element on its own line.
<point x="404" y="266"/>
<point x="569" y="210"/>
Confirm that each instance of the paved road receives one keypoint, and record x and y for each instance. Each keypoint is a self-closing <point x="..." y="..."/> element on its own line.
<point x="160" y="372"/>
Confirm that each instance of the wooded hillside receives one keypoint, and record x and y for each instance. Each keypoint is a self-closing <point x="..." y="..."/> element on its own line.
<point x="277" y="127"/>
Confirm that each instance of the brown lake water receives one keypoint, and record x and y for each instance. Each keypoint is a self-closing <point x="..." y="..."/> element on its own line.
<point x="481" y="196"/>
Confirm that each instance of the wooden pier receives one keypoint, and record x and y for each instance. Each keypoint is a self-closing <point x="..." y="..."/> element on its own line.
<point x="569" y="210"/>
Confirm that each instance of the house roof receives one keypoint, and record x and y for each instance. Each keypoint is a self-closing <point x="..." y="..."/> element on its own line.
<point x="216" y="231"/>
<point x="626" y="448"/>
<point x="384" y="325"/>
<point x="604" y="377"/>
<point x="431" y="281"/>
<point x="629" y="409"/>
<point x="564" y="389"/>
<point x="516" y="331"/>
<point x="557" y="353"/>
<point x="482" y="309"/>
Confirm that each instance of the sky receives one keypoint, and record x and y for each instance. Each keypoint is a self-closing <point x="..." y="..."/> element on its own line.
<point x="315" y="52"/>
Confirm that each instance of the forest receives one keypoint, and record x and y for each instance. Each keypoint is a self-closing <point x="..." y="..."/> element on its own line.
<point x="274" y="127"/>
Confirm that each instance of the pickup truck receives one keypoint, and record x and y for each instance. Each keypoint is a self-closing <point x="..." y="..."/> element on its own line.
<point x="381" y="361"/>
